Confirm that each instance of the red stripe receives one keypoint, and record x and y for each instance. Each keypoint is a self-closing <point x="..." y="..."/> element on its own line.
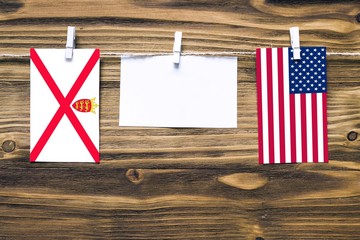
<point x="281" y="105"/>
<point x="270" y="104"/>
<point x="83" y="75"/>
<point x="325" y="131"/>
<point x="303" y="127"/>
<point x="64" y="105"/>
<point x="46" y="134"/>
<point x="46" y="75"/>
<point x="259" y="99"/>
<point x="83" y="135"/>
<point x="314" y="127"/>
<point x="292" y="128"/>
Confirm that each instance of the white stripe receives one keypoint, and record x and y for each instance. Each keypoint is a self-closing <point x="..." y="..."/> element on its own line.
<point x="276" y="105"/>
<point x="298" y="128"/>
<point x="309" y="128"/>
<point x="320" y="119"/>
<point x="287" y="106"/>
<point x="264" y="103"/>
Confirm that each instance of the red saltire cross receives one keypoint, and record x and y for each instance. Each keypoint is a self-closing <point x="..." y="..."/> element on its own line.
<point x="64" y="105"/>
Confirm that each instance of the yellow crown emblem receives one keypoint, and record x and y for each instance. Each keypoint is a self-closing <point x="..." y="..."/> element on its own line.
<point x="85" y="105"/>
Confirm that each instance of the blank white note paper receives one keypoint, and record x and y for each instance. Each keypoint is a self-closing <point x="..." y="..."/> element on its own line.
<point x="200" y="92"/>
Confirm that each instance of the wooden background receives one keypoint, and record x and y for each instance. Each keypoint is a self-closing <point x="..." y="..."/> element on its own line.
<point x="179" y="183"/>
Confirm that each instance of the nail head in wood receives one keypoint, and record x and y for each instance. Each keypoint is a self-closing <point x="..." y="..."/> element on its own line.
<point x="352" y="136"/>
<point x="8" y="146"/>
<point x="135" y="176"/>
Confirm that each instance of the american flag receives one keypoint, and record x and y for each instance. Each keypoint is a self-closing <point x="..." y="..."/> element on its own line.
<point x="291" y="96"/>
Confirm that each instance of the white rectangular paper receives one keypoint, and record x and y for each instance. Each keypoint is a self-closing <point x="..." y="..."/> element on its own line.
<point x="64" y="116"/>
<point x="199" y="92"/>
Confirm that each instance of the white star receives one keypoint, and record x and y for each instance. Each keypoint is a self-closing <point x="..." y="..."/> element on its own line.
<point x="315" y="50"/>
<point x="296" y="70"/>
<point x="319" y="69"/>
<point x="292" y="66"/>
<point x="300" y="81"/>
<point x="323" y="65"/>
<point x="304" y="85"/>
<point x="315" y="58"/>
<point x="323" y="49"/>
<point x="323" y="73"/>
<point x="303" y="54"/>
<point x="304" y="77"/>
<point x="316" y="89"/>
<point x="307" y="58"/>
<point x="292" y="90"/>
<point x="296" y="85"/>
<point x="292" y="58"/>
<point x="322" y="57"/>
<point x="323" y="80"/>
<point x="292" y="81"/>
<point x="323" y="88"/>
<point x="292" y="74"/>
<point x="311" y="69"/>
<point x="316" y="81"/>
<point x="300" y="74"/>
<point x="315" y="65"/>
<point x="308" y="73"/>
<point x="311" y="54"/>
<point x="296" y="78"/>
<point x="312" y="77"/>
<point x="308" y="65"/>
<point x="319" y="61"/>
<point x="315" y="73"/>
<point x="319" y="54"/>
<point x="303" y="62"/>
<point x="307" y="50"/>
<point x="308" y="81"/>
<point x="319" y="77"/>
<point x="319" y="84"/>
<point x="308" y="89"/>
<point x="312" y="85"/>
<point x="311" y="61"/>
<point x="300" y="89"/>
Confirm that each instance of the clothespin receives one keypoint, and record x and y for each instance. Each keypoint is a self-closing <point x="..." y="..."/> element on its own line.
<point x="177" y="47"/>
<point x="70" y="42"/>
<point x="295" y="42"/>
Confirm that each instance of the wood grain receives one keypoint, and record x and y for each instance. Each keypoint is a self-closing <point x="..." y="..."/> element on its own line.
<point x="166" y="183"/>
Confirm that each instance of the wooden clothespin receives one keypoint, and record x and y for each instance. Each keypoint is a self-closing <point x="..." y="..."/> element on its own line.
<point x="177" y="47"/>
<point x="295" y="42"/>
<point x="70" y="43"/>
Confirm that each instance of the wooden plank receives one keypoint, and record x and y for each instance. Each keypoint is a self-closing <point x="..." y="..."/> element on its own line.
<point x="149" y="25"/>
<point x="186" y="147"/>
<point x="166" y="183"/>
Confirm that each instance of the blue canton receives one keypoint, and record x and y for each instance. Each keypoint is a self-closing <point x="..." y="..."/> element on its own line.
<point x="308" y="75"/>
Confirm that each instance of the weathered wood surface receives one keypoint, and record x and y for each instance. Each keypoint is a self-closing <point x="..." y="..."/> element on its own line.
<point x="179" y="183"/>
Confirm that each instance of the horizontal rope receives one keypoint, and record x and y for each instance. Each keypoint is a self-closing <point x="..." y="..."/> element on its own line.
<point x="128" y="54"/>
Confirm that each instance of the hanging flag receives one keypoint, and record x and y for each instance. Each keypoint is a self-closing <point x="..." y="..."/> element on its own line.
<point x="291" y="96"/>
<point x="64" y="126"/>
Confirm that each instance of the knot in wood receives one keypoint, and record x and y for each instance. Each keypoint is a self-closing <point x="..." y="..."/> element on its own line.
<point x="8" y="146"/>
<point x="135" y="176"/>
<point x="352" y="136"/>
<point x="358" y="18"/>
<point x="259" y="238"/>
